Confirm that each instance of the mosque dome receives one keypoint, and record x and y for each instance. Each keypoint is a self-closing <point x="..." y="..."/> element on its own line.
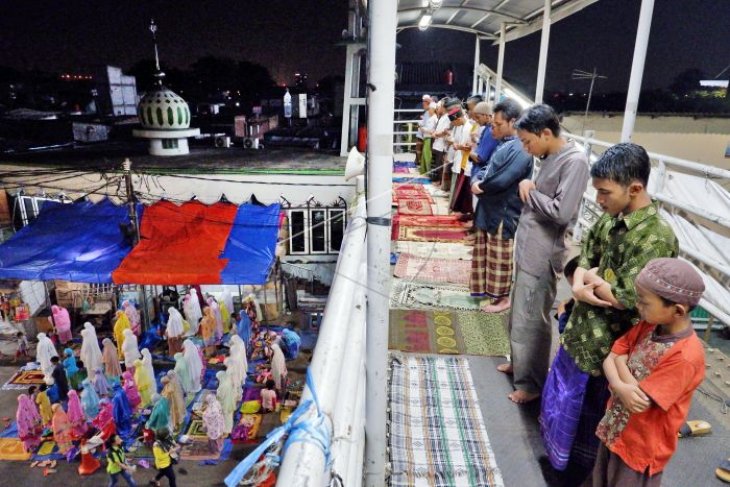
<point x="163" y="109"/>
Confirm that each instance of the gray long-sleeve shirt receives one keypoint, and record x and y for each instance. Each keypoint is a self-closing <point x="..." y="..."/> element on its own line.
<point x="550" y="210"/>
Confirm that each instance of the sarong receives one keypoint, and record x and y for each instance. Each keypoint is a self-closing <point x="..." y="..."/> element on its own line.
<point x="491" y="265"/>
<point x="426" y="156"/>
<point x="562" y="400"/>
<point x="462" y="197"/>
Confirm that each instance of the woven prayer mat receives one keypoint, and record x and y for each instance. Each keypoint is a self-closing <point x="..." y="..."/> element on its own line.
<point x="400" y="178"/>
<point x="417" y="295"/>
<point x="432" y="234"/>
<point x="442" y="250"/>
<point x="448" y="332"/>
<point x="414" y="207"/>
<point x="12" y="449"/>
<point x="433" y="270"/>
<point x="437" y="432"/>
<point x="24" y="379"/>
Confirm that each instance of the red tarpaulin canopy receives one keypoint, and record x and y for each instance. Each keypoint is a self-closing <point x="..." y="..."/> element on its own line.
<point x="179" y="244"/>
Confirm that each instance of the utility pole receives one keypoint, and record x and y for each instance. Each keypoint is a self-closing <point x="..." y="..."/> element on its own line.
<point x="581" y="75"/>
<point x="134" y="220"/>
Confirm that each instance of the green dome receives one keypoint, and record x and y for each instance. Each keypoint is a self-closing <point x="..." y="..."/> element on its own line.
<point x="163" y="109"/>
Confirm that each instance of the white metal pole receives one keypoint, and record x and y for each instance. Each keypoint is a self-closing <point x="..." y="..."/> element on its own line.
<point x="475" y="79"/>
<point x="381" y="79"/>
<point x="637" y="69"/>
<point x="544" y="44"/>
<point x="500" y="62"/>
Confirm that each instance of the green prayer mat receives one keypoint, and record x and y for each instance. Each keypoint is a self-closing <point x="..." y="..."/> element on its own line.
<point x="448" y="332"/>
<point x="409" y="294"/>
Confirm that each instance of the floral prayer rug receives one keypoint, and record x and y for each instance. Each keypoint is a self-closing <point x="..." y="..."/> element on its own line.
<point x="448" y="332"/>
<point x="198" y="449"/>
<point x="412" y="194"/>
<point x="433" y="270"/>
<point x="437" y="432"/>
<point x="415" y="207"/>
<point x="429" y="221"/>
<point x="196" y="430"/>
<point x="432" y="234"/>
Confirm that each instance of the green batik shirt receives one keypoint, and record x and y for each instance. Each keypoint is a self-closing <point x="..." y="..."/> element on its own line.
<point x="620" y="247"/>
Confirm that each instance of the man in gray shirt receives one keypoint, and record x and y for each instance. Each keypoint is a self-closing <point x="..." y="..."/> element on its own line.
<point x="551" y="206"/>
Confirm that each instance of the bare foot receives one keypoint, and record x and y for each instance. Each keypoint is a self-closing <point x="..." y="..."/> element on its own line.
<point x="502" y="304"/>
<point x="523" y="397"/>
<point x="505" y="368"/>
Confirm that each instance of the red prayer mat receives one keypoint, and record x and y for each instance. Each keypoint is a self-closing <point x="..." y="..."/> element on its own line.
<point x="415" y="207"/>
<point x="432" y="234"/>
<point x="433" y="269"/>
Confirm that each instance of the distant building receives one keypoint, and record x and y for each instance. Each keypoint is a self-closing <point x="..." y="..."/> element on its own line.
<point x="115" y="92"/>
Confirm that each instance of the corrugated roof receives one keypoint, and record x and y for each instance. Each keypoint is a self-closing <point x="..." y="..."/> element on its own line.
<point x="484" y="17"/>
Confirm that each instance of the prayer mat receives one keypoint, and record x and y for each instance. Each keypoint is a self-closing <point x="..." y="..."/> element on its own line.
<point x="432" y="270"/>
<point x="414" y="207"/>
<point x="252" y="423"/>
<point x="198" y="450"/>
<point x="437" y="432"/>
<point x="398" y="178"/>
<point x="432" y="234"/>
<point x="448" y="332"/>
<point x="412" y="194"/>
<point x="12" y="449"/>
<point x="196" y="430"/>
<point x="442" y="250"/>
<point x="429" y="221"/>
<point x="24" y="379"/>
<point x="416" y="295"/>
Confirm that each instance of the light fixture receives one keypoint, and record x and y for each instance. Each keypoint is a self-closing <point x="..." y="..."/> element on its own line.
<point x="435" y="3"/>
<point x="425" y="22"/>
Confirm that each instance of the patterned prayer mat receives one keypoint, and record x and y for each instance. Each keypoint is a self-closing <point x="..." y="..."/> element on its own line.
<point x="448" y="332"/>
<point x="416" y="295"/>
<point x="24" y="379"/>
<point x="432" y="234"/>
<point x="412" y="194"/>
<point x="429" y="221"/>
<point x="433" y="270"/>
<point x="12" y="449"/>
<point x="437" y="432"/>
<point x="196" y="430"/>
<point x="442" y="250"/>
<point x="415" y="207"/>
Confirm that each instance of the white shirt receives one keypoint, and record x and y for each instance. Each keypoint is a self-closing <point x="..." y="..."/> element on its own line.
<point x="439" y="143"/>
<point x="430" y="126"/>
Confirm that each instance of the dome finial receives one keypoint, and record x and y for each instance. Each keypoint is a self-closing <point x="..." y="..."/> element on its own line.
<point x="159" y="74"/>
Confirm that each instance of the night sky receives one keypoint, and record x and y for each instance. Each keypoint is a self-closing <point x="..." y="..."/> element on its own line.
<point x="291" y="35"/>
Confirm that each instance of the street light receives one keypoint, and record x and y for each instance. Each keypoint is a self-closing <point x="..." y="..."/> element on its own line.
<point x="579" y="74"/>
<point x="425" y="21"/>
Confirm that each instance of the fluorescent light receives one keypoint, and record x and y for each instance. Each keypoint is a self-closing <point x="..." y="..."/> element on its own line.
<point x="436" y="3"/>
<point x="424" y="22"/>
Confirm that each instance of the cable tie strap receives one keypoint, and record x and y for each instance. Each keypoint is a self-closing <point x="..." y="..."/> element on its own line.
<point x="380" y="221"/>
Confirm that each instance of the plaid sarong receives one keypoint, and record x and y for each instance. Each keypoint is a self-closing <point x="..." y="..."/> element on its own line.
<point x="491" y="265"/>
<point x="437" y="433"/>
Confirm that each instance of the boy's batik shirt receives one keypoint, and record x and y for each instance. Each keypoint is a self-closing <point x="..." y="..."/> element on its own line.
<point x="620" y="247"/>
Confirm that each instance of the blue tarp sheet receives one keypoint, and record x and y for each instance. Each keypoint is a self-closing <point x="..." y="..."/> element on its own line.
<point x="251" y="245"/>
<point x="80" y="242"/>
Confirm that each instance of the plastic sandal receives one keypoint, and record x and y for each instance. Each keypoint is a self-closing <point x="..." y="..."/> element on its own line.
<point x="695" y="428"/>
<point x="723" y="471"/>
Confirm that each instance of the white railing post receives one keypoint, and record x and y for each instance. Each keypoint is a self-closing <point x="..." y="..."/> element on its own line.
<point x="381" y="79"/>
<point x="637" y="69"/>
<point x="544" y="44"/>
<point x="304" y="461"/>
<point x="475" y="78"/>
<point x="500" y="62"/>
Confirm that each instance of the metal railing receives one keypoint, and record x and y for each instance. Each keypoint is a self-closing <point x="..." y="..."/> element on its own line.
<point x="338" y="372"/>
<point x="405" y="122"/>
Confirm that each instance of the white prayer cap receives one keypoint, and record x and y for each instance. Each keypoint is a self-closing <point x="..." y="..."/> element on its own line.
<point x="433" y="106"/>
<point x="426" y="97"/>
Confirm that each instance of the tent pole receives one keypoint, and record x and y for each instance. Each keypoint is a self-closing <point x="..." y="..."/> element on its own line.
<point x="266" y="304"/>
<point x="133" y="218"/>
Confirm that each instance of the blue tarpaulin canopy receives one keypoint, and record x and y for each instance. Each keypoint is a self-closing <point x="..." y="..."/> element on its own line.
<point x="80" y="242"/>
<point x="251" y="245"/>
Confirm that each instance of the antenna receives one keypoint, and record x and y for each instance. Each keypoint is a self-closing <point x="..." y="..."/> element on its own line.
<point x="579" y="74"/>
